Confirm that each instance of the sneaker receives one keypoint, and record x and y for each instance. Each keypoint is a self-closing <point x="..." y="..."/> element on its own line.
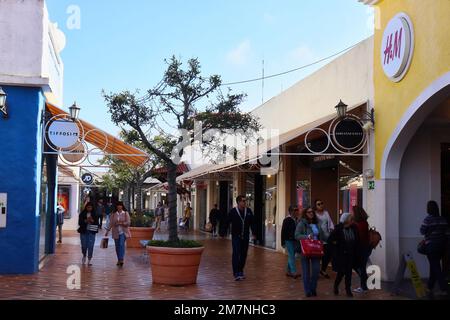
<point x="242" y="276"/>
<point x="359" y="290"/>
<point x="89" y="263"/>
<point x="314" y="293"/>
<point x="59" y="241"/>
<point x="118" y="263"/>
<point x="237" y="278"/>
<point x="83" y="261"/>
<point x="324" y="274"/>
<point x="297" y="275"/>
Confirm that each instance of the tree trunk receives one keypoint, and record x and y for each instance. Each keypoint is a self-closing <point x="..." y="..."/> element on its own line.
<point x="126" y="198"/>
<point x="139" y="197"/>
<point x="172" y="197"/>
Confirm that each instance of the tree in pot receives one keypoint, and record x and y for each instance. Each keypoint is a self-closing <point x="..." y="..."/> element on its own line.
<point x="141" y="228"/>
<point x="182" y="102"/>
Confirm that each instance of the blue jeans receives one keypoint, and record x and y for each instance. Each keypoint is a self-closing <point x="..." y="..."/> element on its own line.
<point x="290" y="247"/>
<point x="87" y="243"/>
<point x="240" y="248"/>
<point x="311" y="268"/>
<point x="120" y="247"/>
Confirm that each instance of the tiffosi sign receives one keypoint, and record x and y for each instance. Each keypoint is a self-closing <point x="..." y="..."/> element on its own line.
<point x="63" y="134"/>
<point x="397" y="47"/>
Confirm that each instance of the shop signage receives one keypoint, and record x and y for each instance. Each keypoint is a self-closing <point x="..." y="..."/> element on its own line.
<point x="348" y="134"/>
<point x="63" y="134"/>
<point x="397" y="47"/>
<point x="371" y="185"/>
<point x="87" y="178"/>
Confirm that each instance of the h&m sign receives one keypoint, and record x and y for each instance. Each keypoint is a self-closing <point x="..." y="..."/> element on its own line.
<point x="397" y="47"/>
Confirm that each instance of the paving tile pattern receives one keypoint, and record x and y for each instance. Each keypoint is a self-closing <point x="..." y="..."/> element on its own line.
<point x="265" y="271"/>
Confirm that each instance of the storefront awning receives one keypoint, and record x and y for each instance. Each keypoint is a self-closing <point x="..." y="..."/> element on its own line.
<point x="109" y="143"/>
<point x="255" y="152"/>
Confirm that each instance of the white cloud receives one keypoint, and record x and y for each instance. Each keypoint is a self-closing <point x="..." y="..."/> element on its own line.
<point x="240" y="55"/>
<point x="302" y="54"/>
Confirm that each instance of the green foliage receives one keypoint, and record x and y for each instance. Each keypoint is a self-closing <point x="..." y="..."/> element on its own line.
<point x="175" y="244"/>
<point x="182" y="96"/>
<point x="145" y="219"/>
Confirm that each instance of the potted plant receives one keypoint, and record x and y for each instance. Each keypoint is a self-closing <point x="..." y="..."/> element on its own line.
<point x="179" y="96"/>
<point x="175" y="262"/>
<point x="141" y="228"/>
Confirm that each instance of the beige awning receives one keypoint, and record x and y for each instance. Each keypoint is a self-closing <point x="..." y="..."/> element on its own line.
<point x="256" y="151"/>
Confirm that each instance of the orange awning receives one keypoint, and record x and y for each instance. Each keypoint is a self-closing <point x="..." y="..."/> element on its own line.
<point x="109" y="143"/>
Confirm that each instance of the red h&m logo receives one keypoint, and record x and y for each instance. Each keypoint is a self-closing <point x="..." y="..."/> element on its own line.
<point x="393" y="51"/>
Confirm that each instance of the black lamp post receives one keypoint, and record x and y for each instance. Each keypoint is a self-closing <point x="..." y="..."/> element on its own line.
<point x="3" y="107"/>
<point x="74" y="111"/>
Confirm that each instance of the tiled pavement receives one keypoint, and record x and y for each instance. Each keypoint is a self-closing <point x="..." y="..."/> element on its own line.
<point x="265" y="272"/>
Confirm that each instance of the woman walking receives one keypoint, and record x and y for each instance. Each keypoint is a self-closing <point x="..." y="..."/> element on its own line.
<point x="364" y="250"/>
<point x="88" y="228"/>
<point x="326" y="225"/>
<point x="344" y="239"/>
<point x="434" y="229"/>
<point x="308" y="228"/>
<point x="119" y="223"/>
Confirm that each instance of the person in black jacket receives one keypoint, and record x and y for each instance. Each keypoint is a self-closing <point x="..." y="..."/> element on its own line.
<point x="344" y="238"/>
<point x="88" y="222"/>
<point x="288" y="240"/>
<point x="214" y="217"/>
<point x="242" y="220"/>
<point x="434" y="228"/>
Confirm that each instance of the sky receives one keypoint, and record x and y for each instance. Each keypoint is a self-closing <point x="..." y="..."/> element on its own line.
<point x="116" y="45"/>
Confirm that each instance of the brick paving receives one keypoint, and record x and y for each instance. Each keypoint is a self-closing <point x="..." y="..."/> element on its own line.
<point x="265" y="272"/>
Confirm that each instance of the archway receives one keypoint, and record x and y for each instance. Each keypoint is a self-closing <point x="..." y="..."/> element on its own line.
<point x="411" y="171"/>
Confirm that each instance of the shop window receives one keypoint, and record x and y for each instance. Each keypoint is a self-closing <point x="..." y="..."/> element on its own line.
<point x="64" y="200"/>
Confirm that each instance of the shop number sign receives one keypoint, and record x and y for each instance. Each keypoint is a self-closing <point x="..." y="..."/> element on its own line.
<point x="397" y="47"/>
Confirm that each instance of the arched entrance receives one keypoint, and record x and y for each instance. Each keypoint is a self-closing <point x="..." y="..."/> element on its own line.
<point x="412" y="171"/>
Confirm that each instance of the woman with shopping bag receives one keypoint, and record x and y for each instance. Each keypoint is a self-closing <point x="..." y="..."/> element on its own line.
<point x="310" y="235"/>
<point x="118" y="224"/>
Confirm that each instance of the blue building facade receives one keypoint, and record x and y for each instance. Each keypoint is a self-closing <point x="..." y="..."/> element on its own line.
<point x="24" y="239"/>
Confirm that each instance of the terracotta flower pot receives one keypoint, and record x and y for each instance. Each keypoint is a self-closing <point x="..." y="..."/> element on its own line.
<point x="138" y="234"/>
<point x="175" y="266"/>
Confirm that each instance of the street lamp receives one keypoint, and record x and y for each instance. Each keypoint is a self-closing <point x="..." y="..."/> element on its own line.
<point x="74" y="111"/>
<point x="3" y="107"/>
<point x="341" y="109"/>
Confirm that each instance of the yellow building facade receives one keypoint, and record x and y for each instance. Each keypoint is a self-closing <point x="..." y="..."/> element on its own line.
<point x="412" y="128"/>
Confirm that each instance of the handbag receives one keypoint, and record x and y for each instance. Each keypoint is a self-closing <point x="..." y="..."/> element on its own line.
<point x="422" y="247"/>
<point x="92" y="227"/>
<point x="208" y="227"/>
<point x="312" y="248"/>
<point x="104" y="243"/>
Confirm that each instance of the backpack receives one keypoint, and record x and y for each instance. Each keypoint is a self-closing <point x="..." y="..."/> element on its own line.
<point x="374" y="238"/>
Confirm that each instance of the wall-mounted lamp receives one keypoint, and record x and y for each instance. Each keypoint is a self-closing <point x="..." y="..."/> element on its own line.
<point x="341" y="109"/>
<point x="74" y="111"/>
<point x="3" y="106"/>
<point x="369" y="173"/>
<point x="369" y="117"/>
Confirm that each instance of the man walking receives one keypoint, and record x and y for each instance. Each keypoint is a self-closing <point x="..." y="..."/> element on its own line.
<point x="214" y="217"/>
<point x="241" y="219"/>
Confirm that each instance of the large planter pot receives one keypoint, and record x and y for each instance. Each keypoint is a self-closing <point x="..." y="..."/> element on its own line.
<point x="138" y="234"/>
<point x="175" y="266"/>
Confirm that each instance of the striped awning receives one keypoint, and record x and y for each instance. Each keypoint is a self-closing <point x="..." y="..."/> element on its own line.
<point x="105" y="141"/>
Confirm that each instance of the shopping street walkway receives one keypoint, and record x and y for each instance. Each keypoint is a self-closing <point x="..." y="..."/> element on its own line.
<point x="265" y="272"/>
